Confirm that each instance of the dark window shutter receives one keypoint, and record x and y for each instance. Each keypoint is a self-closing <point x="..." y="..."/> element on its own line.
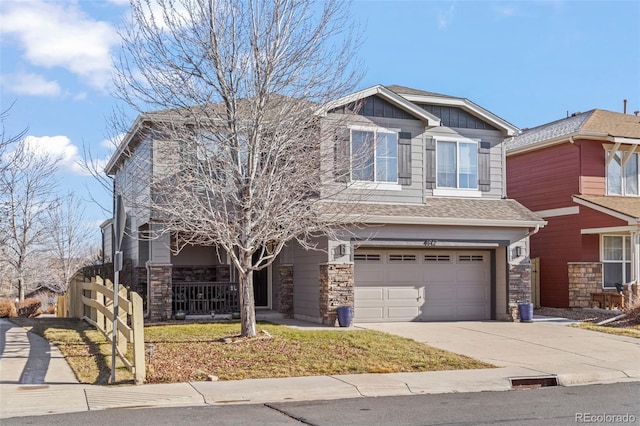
<point x="342" y="152"/>
<point x="484" y="166"/>
<point x="404" y="158"/>
<point x="430" y="162"/>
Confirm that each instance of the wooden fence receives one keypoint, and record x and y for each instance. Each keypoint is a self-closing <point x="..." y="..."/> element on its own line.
<point x="92" y="300"/>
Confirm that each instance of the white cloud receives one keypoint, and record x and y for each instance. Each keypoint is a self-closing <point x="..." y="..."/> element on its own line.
<point x="119" y="2"/>
<point x="30" y="84"/>
<point x="112" y="143"/>
<point x="445" y="16"/>
<point x="61" y="35"/>
<point x="57" y="147"/>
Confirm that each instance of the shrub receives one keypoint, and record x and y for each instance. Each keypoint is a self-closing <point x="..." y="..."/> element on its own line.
<point x="30" y="308"/>
<point x="7" y="308"/>
<point x="633" y="310"/>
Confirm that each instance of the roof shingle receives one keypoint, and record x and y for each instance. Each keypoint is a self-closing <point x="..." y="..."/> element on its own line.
<point x="594" y="122"/>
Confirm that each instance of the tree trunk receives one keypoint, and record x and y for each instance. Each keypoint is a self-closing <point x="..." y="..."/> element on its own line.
<point x="247" y="303"/>
<point x="21" y="288"/>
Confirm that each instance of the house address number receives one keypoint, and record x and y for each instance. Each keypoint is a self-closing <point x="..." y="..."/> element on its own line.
<point x="430" y="243"/>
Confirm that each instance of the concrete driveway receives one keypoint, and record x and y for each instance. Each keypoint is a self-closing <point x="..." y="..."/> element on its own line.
<point x="543" y="348"/>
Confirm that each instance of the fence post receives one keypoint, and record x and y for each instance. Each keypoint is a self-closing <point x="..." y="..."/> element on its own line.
<point x="78" y="305"/>
<point x="100" y="319"/>
<point x="137" y="323"/>
<point x="122" y="318"/>
<point x="108" y="303"/>
<point x="60" y="310"/>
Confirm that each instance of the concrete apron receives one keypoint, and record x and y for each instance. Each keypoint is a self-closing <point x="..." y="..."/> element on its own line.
<point x="574" y="355"/>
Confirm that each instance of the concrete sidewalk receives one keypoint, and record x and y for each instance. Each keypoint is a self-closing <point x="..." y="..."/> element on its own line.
<point x="35" y="379"/>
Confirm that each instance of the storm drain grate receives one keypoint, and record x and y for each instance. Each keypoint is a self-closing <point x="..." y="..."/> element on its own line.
<point x="533" y="382"/>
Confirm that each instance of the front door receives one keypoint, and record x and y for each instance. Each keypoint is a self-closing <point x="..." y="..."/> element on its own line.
<point x="261" y="286"/>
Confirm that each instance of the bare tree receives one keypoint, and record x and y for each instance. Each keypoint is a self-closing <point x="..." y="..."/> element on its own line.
<point x="29" y="191"/>
<point x="238" y="84"/>
<point x="68" y="239"/>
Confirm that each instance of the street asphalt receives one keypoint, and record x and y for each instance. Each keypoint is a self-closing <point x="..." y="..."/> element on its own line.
<point x="35" y="379"/>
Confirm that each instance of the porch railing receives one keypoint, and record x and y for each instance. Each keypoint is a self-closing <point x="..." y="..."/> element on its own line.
<point x="205" y="298"/>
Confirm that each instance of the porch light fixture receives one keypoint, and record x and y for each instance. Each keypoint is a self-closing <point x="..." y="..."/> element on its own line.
<point x="518" y="251"/>
<point x="341" y="249"/>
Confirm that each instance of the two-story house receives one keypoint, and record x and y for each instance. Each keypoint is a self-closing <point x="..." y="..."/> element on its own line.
<point x="437" y="237"/>
<point x="581" y="175"/>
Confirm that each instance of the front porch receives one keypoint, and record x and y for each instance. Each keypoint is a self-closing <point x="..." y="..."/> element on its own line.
<point x="586" y="288"/>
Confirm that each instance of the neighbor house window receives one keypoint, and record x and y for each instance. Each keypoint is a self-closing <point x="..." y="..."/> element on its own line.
<point x="374" y="155"/>
<point x="457" y="165"/>
<point x="616" y="259"/>
<point x="623" y="179"/>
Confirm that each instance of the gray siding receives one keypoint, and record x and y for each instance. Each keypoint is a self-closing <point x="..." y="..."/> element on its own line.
<point x="306" y="276"/>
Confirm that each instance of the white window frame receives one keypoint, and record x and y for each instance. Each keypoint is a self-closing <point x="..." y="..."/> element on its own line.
<point x="373" y="184"/>
<point x="457" y="190"/>
<point x="626" y="258"/>
<point x="623" y="177"/>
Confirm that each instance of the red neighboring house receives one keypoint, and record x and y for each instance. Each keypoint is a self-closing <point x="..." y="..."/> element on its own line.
<point x="581" y="175"/>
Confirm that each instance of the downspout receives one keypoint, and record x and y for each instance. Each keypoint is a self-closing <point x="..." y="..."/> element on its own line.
<point x="530" y="233"/>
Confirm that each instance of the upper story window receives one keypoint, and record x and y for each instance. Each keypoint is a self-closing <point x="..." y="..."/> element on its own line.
<point x="457" y="164"/>
<point x="374" y="155"/>
<point x="622" y="174"/>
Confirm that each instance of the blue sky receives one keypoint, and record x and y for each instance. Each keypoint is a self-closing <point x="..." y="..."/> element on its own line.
<point x="529" y="62"/>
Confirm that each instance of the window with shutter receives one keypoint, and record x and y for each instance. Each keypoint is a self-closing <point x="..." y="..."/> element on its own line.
<point x="374" y="155"/>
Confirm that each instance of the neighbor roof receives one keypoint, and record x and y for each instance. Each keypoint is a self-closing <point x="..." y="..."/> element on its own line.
<point x="594" y="124"/>
<point x="627" y="206"/>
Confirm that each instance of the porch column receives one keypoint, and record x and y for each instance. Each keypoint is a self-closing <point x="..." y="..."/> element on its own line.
<point x="519" y="287"/>
<point x="336" y="289"/>
<point x="285" y="289"/>
<point x="159" y="293"/>
<point x="584" y="278"/>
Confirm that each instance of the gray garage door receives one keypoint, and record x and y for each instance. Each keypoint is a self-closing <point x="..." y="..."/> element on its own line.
<point x="421" y="285"/>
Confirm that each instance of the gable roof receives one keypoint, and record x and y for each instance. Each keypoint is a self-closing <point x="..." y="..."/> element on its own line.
<point x="421" y="96"/>
<point x="408" y="99"/>
<point x="390" y="96"/>
<point x="595" y="124"/>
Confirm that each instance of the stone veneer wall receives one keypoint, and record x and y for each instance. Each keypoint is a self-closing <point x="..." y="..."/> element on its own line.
<point x="584" y="278"/>
<point x="519" y="288"/>
<point x="160" y="296"/>
<point x="285" y="290"/>
<point x="336" y="289"/>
